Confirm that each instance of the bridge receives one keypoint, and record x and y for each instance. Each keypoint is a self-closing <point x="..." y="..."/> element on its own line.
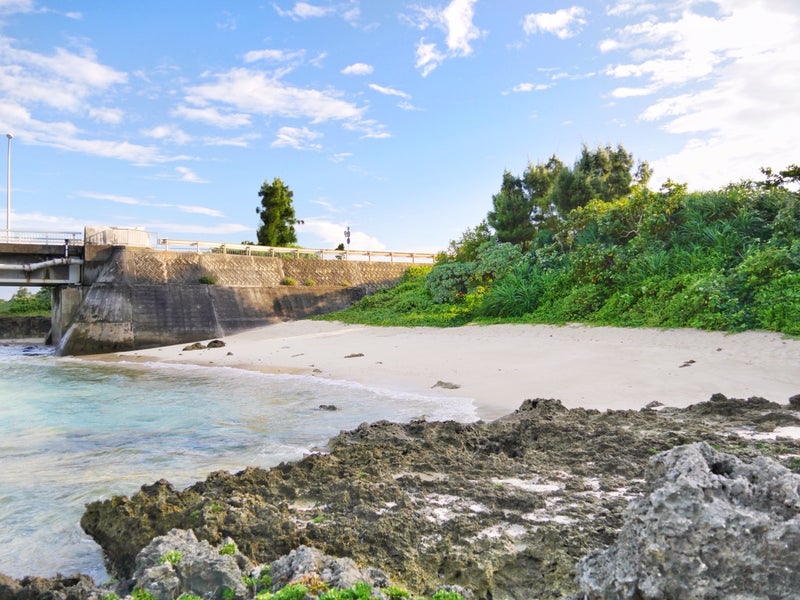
<point x="30" y="258"/>
<point x="55" y="258"/>
<point x="123" y="289"/>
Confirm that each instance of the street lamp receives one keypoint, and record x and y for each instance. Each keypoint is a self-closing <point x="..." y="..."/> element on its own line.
<point x="8" y="189"/>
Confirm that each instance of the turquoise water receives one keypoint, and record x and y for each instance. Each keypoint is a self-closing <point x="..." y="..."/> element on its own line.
<point x="73" y="431"/>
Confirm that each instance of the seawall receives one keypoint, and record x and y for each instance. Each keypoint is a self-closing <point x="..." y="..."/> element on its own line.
<point x="28" y="328"/>
<point x="141" y="298"/>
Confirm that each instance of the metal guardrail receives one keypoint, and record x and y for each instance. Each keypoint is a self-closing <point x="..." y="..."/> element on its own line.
<point x="117" y="236"/>
<point x="321" y="254"/>
<point x="54" y="238"/>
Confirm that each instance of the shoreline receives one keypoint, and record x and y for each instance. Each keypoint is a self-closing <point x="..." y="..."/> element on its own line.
<point x="500" y="366"/>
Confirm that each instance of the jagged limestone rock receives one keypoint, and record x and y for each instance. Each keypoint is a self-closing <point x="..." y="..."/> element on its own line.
<point x="710" y="526"/>
<point x="177" y="563"/>
<point x="340" y="573"/>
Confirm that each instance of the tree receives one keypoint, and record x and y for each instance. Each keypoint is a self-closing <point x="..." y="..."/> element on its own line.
<point x="603" y="174"/>
<point x="513" y="210"/>
<point x="782" y="179"/>
<point x="538" y="180"/>
<point x="466" y="248"/>
<point x="277" y="215"/>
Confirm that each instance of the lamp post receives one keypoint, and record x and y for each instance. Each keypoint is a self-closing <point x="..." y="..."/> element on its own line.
<point x="8" y="189"/>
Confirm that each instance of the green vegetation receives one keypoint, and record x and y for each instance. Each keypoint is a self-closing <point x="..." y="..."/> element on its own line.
<point x="288" y="281"/>
<point x="25" y="304"/>
<point x="172" y="557"/>
<point x="208" y="280"/>
<point x="260" y="583"/>
<point x="228" y="549"/>
<point x="140" y="594"/>
<point x="618" y="254"/>
<point x="315" y="587"/>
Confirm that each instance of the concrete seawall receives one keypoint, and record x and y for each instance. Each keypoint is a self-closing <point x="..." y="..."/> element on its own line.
<point x="141" y="298"/>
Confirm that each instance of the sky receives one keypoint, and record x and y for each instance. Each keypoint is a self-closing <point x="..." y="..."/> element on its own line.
<point x="395" y="119"/>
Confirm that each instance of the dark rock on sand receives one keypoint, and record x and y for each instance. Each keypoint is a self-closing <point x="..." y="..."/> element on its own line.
<point x="711" y="526"/>
<point x="506" y="509"/>
<point x="216" y="344"/>
<point x="195" y="346"/>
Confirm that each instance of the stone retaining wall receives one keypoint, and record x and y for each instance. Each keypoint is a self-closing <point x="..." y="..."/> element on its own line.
<point x="141" y="298"/>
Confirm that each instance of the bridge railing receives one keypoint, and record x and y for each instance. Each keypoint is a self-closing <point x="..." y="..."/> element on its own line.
<point x="45" y="238"/>
<point x="274" y="251"/>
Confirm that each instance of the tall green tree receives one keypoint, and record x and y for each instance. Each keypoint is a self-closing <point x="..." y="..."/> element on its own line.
<point x="513" y="209"/>
<point x="537" y="181"/>
<point x="277" y="215"/>
<point x="605" y="173"/>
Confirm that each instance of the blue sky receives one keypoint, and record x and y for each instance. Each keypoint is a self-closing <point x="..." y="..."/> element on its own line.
<point x="394" y="118"/>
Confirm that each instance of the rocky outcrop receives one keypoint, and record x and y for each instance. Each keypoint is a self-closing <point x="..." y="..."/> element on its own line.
<point x="711" y="526"/>
<point x="506" y="509"/>
<point x="177" y="563"/>
<point x="75" y="587"/>
<point x="311" y="564"/>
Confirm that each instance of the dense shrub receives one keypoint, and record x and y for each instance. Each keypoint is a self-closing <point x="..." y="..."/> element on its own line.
<point x="25" y="303"/>
<point x="726" y="260"/>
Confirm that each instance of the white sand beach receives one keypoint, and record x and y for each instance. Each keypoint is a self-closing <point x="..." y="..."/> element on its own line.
<point x="499" y="366"/>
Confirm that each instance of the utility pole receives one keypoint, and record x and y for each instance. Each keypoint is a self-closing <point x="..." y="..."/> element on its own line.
<point x="8" y="190"/>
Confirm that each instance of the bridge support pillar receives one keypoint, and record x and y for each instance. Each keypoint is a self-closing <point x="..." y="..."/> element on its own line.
<point x="66" y="300"/>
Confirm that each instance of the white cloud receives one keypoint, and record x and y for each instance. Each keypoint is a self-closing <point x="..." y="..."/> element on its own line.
<point x="331" y="235"/>
<point x="196" y="210"/>
<point x="387" y="91"/>
<point x="404" y="105"/>
<point x="727" y="84"/>
<point x="239" y="141"/>
<point x="116" y="198"/>
<point x="130" y="201"/>
<point x="428" y="57"/>
<point x="461" y="31"/>
<point x="63" y="80"/>
<point x="369" y="128"/>
<point x="213" y="116"/>
<point x="106" y="115"/>
<point x="272" y="55"/>
<point x="169" y="133"/>
<point x="358" y="69"/>
<point x="304" y="10"/>
<point x="299" y="138"/>
<point x="564" y="23"/>
<point x="630" y="7"/>
<point x="456" y="21"/>
<point x="134" y="153"/>
<point x="189" y="176"/>
<point x="243" y="92"/>
<point x="65" y="136"/>
<point x="340" y="157"/>
<point x="16" y="6"/>
<point x="530" y="87"/>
